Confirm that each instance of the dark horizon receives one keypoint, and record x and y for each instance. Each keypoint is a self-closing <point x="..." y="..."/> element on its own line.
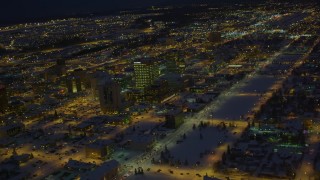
<point x="18" y="11"/>
<point x="36" y="10"/>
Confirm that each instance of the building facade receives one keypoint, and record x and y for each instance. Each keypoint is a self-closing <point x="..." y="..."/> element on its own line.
<point x="110" y="98"/>
<point x="145" y="71"/>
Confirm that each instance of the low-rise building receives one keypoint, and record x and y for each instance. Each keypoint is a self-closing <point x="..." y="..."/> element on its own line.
<point x="174" y="119"/>
<point x="74" y="165"/>
<point x="108" y="170"/>
<point x="11" y="130"/>
<point x="99" y="149"/>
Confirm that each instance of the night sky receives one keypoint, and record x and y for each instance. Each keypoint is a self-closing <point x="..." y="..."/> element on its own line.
<point x="20" y="10"/>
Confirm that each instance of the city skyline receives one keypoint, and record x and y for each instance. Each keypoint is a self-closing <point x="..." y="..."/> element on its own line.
<point x="195" y="91"/>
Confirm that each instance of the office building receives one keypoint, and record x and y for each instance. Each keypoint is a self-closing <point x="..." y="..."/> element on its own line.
<point x="110" y="98"/>
<point x="77" y="81"/>
<point x="96" y="80"/>
<point x="146" y="71"/>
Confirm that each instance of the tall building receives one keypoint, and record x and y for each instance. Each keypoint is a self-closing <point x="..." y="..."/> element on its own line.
<point x="146" y="71"/>
<point x="110" y="98"/>
<point x="3" y="98"/>
<point x="97" y="79"/>
<point x="77" y="81"/>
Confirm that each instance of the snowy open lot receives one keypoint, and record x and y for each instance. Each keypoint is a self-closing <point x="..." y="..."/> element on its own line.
<point x="192" y="146"/>
<point x="258" y="84"/>
<point x="242" y="100"/>
<point x="234" y="107"/>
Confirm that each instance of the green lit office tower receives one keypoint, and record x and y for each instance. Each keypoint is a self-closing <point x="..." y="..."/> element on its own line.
<point x="146" y="71"/>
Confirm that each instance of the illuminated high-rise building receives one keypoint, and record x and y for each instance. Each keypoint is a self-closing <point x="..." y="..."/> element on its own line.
<point x="146" y="71"/>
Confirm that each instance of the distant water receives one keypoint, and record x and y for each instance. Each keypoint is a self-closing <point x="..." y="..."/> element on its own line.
<point x="12" y="11"/>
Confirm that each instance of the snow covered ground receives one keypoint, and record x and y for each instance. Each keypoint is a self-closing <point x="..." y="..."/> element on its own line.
<point x="258" y="84"/>
<point x="243" y="99"/>
<point x="192" y="146"/>
<point x="234" y="107"/>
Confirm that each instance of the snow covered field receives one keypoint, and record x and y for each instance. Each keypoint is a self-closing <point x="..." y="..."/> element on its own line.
<point x="243" y="99"/>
